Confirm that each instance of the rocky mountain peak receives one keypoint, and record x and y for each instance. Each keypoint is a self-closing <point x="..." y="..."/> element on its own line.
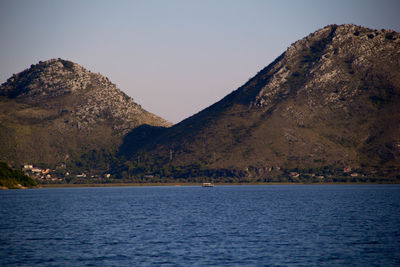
<point x="58" y="110"/>
<point x="51" y="78"/>
<point x="333" y="53"/>
<point x="82" y="97"/>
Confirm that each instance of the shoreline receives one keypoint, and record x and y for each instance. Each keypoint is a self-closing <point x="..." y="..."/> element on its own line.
<point x="44" y="186"/>
<point x="190" y="184"/>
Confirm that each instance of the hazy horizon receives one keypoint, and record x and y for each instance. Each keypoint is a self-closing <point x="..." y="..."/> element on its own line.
<point x="174" y="58"/>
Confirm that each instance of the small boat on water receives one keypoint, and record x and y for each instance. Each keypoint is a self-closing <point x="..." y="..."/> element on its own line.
<point x="208" y="185"/>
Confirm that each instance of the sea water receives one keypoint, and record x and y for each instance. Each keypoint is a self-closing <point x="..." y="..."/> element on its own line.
<point x="288" y="225"/>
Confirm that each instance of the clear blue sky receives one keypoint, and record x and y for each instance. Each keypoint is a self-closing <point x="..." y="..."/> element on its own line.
<point x="173" y="57"/>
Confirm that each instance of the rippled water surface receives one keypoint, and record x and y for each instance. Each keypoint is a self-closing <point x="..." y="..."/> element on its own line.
<point x="334" y="225"/>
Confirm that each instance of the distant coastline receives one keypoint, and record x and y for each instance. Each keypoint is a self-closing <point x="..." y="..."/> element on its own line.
<point x="83" y="185"/>
<point x="190" y="184"/>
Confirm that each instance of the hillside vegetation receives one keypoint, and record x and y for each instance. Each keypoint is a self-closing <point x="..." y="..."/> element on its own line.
<point x="13" y="179"/>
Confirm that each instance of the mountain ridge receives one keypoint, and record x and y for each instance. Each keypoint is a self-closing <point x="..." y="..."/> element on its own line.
<point x="57" y="109"/>
<point x="327" y="109"/>
<point x="319" y="104"/>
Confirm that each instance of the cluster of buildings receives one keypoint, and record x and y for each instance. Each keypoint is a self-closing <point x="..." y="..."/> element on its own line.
<point x="347" y="171"/>
<point x="39" y="173"/>
<point x="48" y="175"/>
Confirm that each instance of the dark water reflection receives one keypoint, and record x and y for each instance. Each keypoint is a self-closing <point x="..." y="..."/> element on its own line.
<point x="193" y="226"/>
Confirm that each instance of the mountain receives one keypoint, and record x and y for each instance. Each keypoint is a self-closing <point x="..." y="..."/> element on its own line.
<point x="57" y="113"/>
<point x="328" y="107"/>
